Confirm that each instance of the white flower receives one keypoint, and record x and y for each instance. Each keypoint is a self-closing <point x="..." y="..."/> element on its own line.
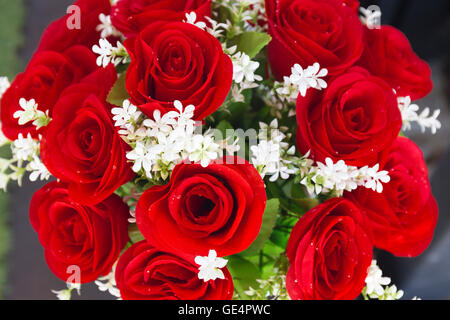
<point x="28" y="113"/>
<point x="104" y="51"/>
<point x="109" y="54"/>
<point x="216" y="28"/>
<point x="133" y="217"/>
<point x="191" y="18"/>
<point x="328" y="176"/>
<point x="374" y="178"/>
<point x="141" y="157"/>
<point x="210" y="266"/>
<point x="31" y="113"/>
<point x="307" y="78"/>
<point x="123" y="116"/>
<point x="230" y="149"/>
<point x="38" y="170"/>
<point x="244" y="68"/>
<point x="109" y="284"/>
<point x="375" y="281"/>
<point x="267" y="154"/>
<point x="4" y="85"/>
<point x="66" y="294"/>
<point x="424" y="119"/>
<point x="203" y="149"/>
<point x="106" y="28"/>
<point x="371" y="16"/>
<point x="24" y="148"/>
<point x="392" y="293"/>
<point x="159" y="124"/>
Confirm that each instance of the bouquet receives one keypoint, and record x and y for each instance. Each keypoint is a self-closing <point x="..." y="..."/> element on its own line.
<point x="222" y="149"/>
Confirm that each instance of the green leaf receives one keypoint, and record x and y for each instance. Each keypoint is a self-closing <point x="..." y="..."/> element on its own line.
<point x="251" y="42"/>
<point x="118" y="92"/>
<point x="244" y="274"/>
<point x="268" y="223"/>
<point x="134" y="233"/>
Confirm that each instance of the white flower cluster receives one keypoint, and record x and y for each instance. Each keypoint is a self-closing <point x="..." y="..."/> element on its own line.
<point x="108" y="283"/>
<point x="66" y="294"/>
<point x="248" y="15"/>
<point x="210" y="266"/>
<point x="24" y="150"/>
<point x="108" y="54"/>
<point x="338" y="177"/>
<point x="273" y="288"/>
<point x="270" y="155"/>
<point x="164" y="141"/>
<point x="244" y="76"/>
<point x="4" y="85"/>
<point x="371" y="16"/>
<point x="424" y="119"/>
<point x="374" y="285"/>
<point x="191" y="18"/>
<point x="301" y="80"/>
<point x="106" y="28"/>
<point x="30" y="112"/>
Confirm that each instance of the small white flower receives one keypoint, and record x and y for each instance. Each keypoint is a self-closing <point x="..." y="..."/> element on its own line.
<point x="133" y="217"/>
<point x="424" y="119"/>
<point x="109" y="284"/>
<point x="392" y="293"/>
<point x="107" y="53"/>
<point x="159" y="124"/>
<point x="216" y="28"/>
<point x="371" y="16"/>
<point x="24" y="148"/>
<point x="375" y="281"/>
<point x="244" y="68"/>
<point x="126" y="114"/>
<point x="106" y="28"/>
<point x="29" y="111"/>
<point x="266" y="154"/>
<point x="141" y="157"/>
<point x="307" y="78"/>
<point x="203" y="149"/>
<point x="191" y="18"/>
<point x="4" y="85"/>
<point x="210" y="266"/>
<point x="374" y="178"/>
<point x="38" y="170"/>
<point x="66" y="294"/>
<point x="104" y="51"/>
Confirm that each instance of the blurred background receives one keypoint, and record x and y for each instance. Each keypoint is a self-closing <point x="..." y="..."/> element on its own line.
<point x="23" y="271"/>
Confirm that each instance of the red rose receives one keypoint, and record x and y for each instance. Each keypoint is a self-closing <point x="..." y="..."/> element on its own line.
<point x="47" y="75"/>
<point x="329" y="251"/>
<point x="404" y="216"/>
<point x="146" y="273"/>
<point x="309" y="31"/>
<point x="64" y="33"/>
<point x="87" y="237"/>
<point x="219" y="207"/>
<point x="355" y="119"/>
<point x="81" y="146"/>
<point x="353" y="4"/>
<point x="131" y="16"/>
<point x="388" y="55"/>
<point x="177" y="61"/>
